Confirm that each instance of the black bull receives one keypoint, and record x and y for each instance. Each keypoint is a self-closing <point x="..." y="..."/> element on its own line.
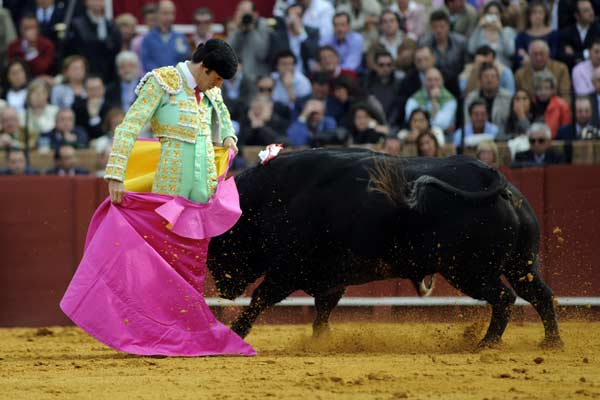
<point x="320" y="220"/>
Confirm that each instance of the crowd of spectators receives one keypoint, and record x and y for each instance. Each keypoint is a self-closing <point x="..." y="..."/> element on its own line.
<point x="379" y="73"/>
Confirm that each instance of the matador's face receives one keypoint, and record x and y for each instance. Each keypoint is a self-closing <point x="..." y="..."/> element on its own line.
<point x="207" y="79"/>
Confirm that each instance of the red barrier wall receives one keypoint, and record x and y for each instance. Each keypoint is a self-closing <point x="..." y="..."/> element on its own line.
<point x="43" y="222"/>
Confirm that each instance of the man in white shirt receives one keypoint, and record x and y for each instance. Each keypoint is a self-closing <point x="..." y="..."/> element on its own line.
<point x="318" y="14"/>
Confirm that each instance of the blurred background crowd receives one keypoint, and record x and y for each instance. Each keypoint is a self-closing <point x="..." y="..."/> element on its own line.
<point x="437" y="76"/>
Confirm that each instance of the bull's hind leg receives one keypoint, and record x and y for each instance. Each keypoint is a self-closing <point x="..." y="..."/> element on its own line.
<point x="325" y="303"/>
<point x="496" y="293"/>
<point x="267" y="294"/>
<point x="533" y="289"/>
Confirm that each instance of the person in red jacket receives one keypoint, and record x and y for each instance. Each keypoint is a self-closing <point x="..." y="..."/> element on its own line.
<point x="548" y="107"/>
<point x="36" y="50"/>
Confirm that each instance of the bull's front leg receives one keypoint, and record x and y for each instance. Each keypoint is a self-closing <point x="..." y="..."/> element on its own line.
<point x="267" y="294"/>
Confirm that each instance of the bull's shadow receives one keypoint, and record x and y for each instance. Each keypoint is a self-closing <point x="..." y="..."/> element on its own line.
<point x="323" y="219"/>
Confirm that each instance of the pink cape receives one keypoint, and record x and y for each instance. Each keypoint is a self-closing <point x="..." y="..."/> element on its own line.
<point x="139" y="286"/>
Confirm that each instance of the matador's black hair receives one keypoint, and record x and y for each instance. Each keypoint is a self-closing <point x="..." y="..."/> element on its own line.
<point x="217" y="55"/>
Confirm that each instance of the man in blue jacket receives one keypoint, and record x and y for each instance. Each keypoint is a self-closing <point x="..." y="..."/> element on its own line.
<point x="162" y="45"/>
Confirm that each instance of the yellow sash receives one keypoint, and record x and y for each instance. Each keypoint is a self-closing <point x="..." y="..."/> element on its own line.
<point x="144" y="159"/>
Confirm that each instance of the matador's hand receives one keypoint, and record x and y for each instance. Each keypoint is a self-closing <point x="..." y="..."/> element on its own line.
<point x="229" y="143"/>
<point x="116" y="190"/>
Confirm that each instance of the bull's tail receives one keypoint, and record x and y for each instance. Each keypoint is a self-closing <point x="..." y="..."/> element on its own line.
<point x="419" y="192"/>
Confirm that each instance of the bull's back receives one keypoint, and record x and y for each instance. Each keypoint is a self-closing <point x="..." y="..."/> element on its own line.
<point x="316" y="203"/>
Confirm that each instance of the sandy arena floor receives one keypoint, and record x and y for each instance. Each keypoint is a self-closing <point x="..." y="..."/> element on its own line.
<point x="376" y="361"/>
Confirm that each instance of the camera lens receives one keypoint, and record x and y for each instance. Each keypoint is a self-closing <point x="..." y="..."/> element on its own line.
<point x="247" y="19"/>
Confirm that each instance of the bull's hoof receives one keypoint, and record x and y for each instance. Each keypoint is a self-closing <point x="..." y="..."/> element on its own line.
<point x="487" y="344"/>
<point x="552" y="343"/>
<point x="321" y="331"/>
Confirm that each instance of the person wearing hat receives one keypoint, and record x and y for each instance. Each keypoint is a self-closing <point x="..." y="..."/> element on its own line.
<point x="139" y="287"/>
<point x="186" y="112"/>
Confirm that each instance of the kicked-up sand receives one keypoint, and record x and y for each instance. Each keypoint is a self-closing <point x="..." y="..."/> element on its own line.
<point x="356" y="361"/>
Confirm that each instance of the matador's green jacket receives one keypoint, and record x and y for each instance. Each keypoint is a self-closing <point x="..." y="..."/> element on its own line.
<point x="186" y="129"/>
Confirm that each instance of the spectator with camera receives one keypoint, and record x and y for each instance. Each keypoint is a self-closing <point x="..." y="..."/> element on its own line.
<point x="294" y="35"/>
<point x="540" y="151"/>
<point x="251" y="39"/>
<point x="584" y="126"/>
<point x="537" y="20"/>
<point x="492" y="32"/>
<point x="312" y="126"/>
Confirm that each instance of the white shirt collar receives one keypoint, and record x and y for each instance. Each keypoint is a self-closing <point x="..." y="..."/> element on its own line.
<point x="187" y="73"/>
<point x="95" y="19"/>
<point x="582" y="31"/>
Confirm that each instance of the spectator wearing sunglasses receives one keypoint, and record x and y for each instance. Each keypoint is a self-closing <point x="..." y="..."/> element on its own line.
<point x="540" y="152"/>
<point x="265" y="85"/>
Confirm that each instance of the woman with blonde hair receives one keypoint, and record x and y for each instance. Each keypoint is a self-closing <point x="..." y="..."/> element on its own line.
<point x="39" y="115"/>
<point x="487" y="152"/>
